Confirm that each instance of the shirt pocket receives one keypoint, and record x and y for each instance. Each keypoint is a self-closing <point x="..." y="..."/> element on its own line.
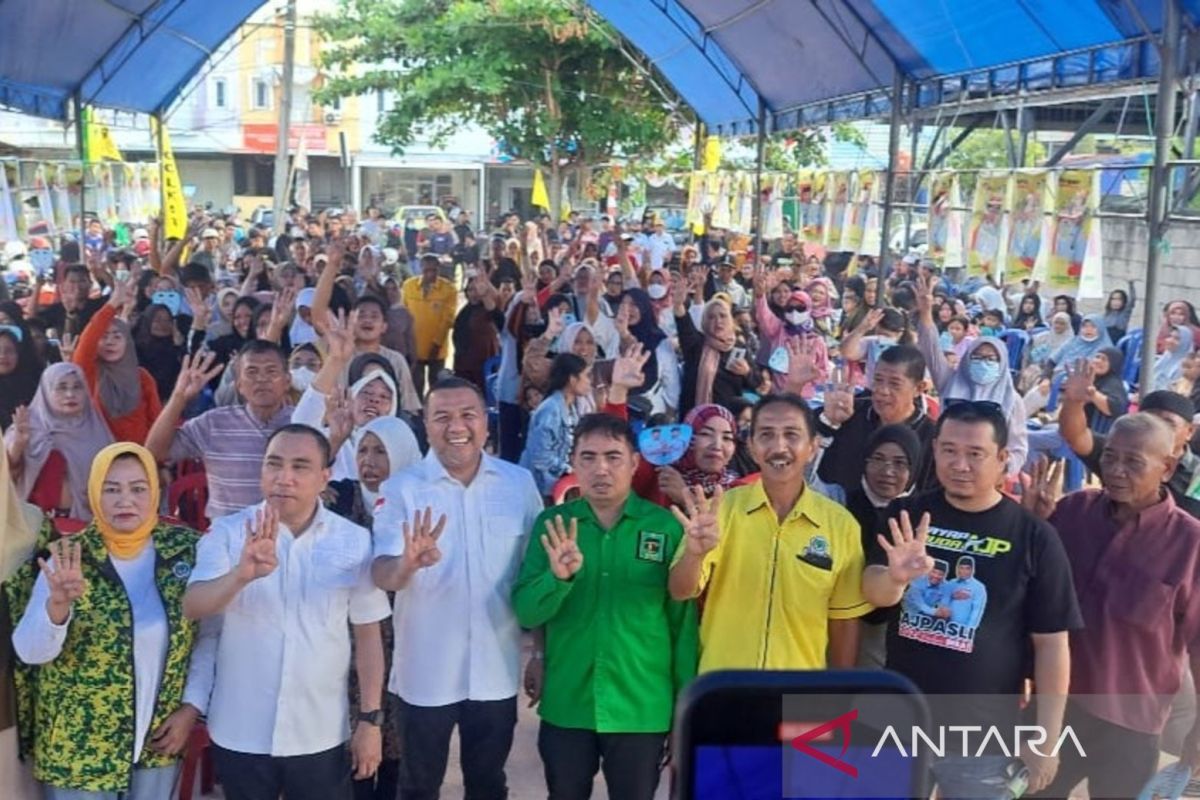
<point x="1139" y="600"/>
<point x="503" y="540"/>
<point x="336" y="571"/>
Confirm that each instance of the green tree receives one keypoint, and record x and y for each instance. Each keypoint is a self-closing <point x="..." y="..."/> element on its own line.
<point x="986" y="149"/>
<point x="550" y="83"/>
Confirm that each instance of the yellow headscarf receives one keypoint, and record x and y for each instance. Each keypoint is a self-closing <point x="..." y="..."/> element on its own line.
<point x="120" y="544"/>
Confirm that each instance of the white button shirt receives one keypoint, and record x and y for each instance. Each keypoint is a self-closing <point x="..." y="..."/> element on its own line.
<point x="457" y="637"/>
<point x="283" y="660"/>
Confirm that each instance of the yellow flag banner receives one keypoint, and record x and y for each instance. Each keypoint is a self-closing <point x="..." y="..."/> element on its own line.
<point x="987" y="236"/>
<point x="98" y="141"/>
<point x="1025" y="234"/>
<point x="174" y="207"/>
<point x="540" y="197"/>
<point x="712" y="153"/>
<point x="1074" y="209"/>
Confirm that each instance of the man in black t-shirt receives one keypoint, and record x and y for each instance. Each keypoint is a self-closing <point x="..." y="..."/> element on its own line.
<point x="74" y="309"/>
<point x="973" y="631"/>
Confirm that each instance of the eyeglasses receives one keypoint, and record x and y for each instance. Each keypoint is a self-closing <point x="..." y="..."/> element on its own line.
<point x="884" y="464"/>
<point x="995" y="359"/>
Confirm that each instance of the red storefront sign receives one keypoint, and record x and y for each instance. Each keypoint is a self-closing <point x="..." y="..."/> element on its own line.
<point x="263" y="137"/>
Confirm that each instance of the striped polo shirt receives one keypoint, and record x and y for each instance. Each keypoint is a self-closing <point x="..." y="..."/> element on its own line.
<point x="232" y="442"/>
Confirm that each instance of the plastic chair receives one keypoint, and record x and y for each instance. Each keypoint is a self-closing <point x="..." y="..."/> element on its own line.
<point x="187" y="499"/>
<point x="197" y="755"/>
<point x="566" y="484"/>
<point x="491" y="392"/>
<point x="1015" y="340"/>
<point x="1131" y="347"/>
<point x="67" y="526"/>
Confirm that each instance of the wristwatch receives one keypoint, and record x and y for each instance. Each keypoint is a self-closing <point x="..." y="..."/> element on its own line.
<point x="372" y="717"/>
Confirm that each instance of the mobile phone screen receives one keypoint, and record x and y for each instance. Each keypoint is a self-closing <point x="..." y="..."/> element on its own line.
<point x="778" y="735"/>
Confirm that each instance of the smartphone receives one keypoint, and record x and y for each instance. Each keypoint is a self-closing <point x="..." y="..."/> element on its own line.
<point x="569" y="319"/>
<point x="799" y="734"/>
<point x="737" y="354"/>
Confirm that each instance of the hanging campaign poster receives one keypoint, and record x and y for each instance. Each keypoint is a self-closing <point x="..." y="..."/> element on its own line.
<point x="1073" y="214"/>
<point x="987" y="236"/>
<point x="838" y="197"/>
<point x="1025" y="231"/>
<point x="810" y="187"/>
<point x="945" y="220"/>
<point x="862" y="185"/>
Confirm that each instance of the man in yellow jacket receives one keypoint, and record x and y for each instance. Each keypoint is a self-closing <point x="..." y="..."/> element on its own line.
<point x="432" y="301"/>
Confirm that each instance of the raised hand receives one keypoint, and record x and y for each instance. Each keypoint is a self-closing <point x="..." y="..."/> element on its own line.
<point x="554" y="323"/>
<point x="680" y="291"/>
<point x="1042" y="487"/>
<point x="339" y="335"/>
<point x="420" y="540"/>
<point x="839" y="399"/>
<point x="195" y="373"/>
<point x="629" y="368"/>
<point x="907" y="559"/>
<point x="621" y="321"/>
<point x="258" y="558"/>
<point x="66" y="346"/>
<point x="122" y="296"/>
<point x="873" y="318"/>
<point x="284" y="308"/>
<point x="802" y="364"/>
<point x="699" y="520"/>
<point x="339" y="417"/>
<point x="64" y="578"/>
<point x="1078" y="385"/>
<point x="562" y="548"/>
<point x="201" y="311"/>
<point x="671" y="484"/>
<point x="20" y="426"/>
<point x="924" y="292"/>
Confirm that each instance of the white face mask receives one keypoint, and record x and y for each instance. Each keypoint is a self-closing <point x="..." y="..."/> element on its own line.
<point x="799" y="317"/>
<point x="657" y="291"/>
<point x="302" y="378"/>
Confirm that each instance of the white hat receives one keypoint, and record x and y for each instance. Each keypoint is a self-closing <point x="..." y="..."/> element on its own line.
<point x="911" y="258"/>
<point x="141" y="233"/>
<point x="210" y="233"/>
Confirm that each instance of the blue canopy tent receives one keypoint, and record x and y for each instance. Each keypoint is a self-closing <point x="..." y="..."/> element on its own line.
<point x="744" y="66"/>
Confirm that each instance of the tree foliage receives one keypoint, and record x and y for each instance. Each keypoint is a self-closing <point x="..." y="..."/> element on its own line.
<point x="549" y="82"/>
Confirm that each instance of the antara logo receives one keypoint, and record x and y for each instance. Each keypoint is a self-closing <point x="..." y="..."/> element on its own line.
<point x="823" y="731"/>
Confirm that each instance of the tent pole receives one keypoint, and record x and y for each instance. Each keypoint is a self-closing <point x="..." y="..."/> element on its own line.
<point x="81" y="144"/>
<point x="889" y="185"/>
<point x="1160" y="183"/>
<point x="914" y="184"/>
<point x="758" y="171"/>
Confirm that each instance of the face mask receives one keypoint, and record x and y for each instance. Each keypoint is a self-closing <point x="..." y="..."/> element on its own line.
<point x="983" y="372"/>
<point x="169" y="299"/>
<point x="302" y="378"/>
<point x="657" y="291"/>
<point x="801" y="319"/>
<point x="1089" y="337"/>
<point x="987" y="330"/>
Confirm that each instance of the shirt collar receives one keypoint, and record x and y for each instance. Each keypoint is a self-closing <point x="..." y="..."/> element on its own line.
<point x="807" y="506"/>
<point x="633" y="509"/>
<point x="436" y="471"/>
<point x="1152" y="516"/>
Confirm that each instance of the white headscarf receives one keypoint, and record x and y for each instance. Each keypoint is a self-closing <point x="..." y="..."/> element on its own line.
<point x="399" y="442"/>
<point x="302" y="332"/>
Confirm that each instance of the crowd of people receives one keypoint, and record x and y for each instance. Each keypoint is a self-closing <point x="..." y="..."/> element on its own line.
<point x="340" y="491"/>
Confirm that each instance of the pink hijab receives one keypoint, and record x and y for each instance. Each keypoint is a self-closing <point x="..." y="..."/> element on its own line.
<point x="77" y="438"/>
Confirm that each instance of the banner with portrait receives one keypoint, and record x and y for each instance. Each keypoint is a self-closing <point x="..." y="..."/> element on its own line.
<point x="946" y="220"/>
<point x="837" y="201"/>
<point x="1029" y="203"/>
<point x="987" y="236"/>
<point x="861" y="187"/>
<point x="810" y="189"/>
<point x="1074" y="211"/>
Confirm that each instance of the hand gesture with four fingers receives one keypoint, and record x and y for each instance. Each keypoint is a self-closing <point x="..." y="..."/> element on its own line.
<point x="339" y="335"/>
<point x="258" y="558"/>
<point x="1077" y="387"/>
<point x="802" y="364"/>
<point x="562" y="548"/>
<point x="699" y="520"/>
<point x="195" y="373"/>
<point x="64" y="577"/>
<point x="839" y="399"/>
<point x="907" y="559"/>
<point x="1042" y="487"/>
<point x="420" y="540"/>
<point x="20" y="426"/>
<point x="339" y="416"/>
<point x="555" y="324"/>
<point x="924" y="292"/>
<point x="629" y="369"/>
<point x="66" y="346"/>
<point x="201" y="311"/>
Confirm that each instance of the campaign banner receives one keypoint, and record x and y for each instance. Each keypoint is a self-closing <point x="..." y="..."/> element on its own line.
<point x="1074" y="210"/>
<point x="945" y="220"/>
<point x="810" y="188"/>
<point x="1028" y="219"/>
<point x="837" y="201"/>
<point x="987" y="237"/>
<point x="861" y="186"/>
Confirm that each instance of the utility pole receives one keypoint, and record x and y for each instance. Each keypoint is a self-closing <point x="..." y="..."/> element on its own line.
<point x="285" y="115"/>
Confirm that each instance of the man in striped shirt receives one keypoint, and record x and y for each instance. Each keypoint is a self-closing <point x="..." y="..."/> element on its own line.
<point x="231" y="440"/>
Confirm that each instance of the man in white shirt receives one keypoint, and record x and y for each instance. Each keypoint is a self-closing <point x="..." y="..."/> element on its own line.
<point x="457" y="651"/>
<point x="290" y="579"/>
<point x="658" y="245"/>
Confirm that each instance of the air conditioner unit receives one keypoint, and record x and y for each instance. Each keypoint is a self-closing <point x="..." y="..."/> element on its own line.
<point x="333" y="117"/>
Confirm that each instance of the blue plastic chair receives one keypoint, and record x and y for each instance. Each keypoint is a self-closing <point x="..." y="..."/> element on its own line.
<point x="1131" y="347"/>
<point x="1015" y="340"/>
<point x="491" y="391"/>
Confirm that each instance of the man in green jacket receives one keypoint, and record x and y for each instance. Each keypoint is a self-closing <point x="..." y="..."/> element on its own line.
<point x="618" y="648"/>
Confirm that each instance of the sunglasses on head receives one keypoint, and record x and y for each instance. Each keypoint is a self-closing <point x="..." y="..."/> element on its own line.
<point x="961" y="407"/>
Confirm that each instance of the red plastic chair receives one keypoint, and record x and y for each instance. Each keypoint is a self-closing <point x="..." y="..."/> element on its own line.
<point x="67" y="526"/>
<point x="197" y="755"/>
<point x="562" y="490"/>
<point x="187" y="499"/>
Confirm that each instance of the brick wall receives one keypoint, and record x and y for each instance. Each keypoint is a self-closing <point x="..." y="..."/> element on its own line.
<point x="1125" y="248"/>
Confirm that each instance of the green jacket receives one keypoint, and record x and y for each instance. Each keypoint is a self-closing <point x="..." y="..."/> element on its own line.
<point x="75" y="714"/>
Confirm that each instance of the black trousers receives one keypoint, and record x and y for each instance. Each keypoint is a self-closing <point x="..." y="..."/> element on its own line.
<point x="485" y="734"/>
<point x="571" y="757"/>
<point x="252" y="776"/>
<point x="384" y="786"/>
<point x="1118" y="763"/>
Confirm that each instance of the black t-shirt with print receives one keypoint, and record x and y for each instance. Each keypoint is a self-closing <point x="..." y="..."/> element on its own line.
<point x="1000" y="575"/>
